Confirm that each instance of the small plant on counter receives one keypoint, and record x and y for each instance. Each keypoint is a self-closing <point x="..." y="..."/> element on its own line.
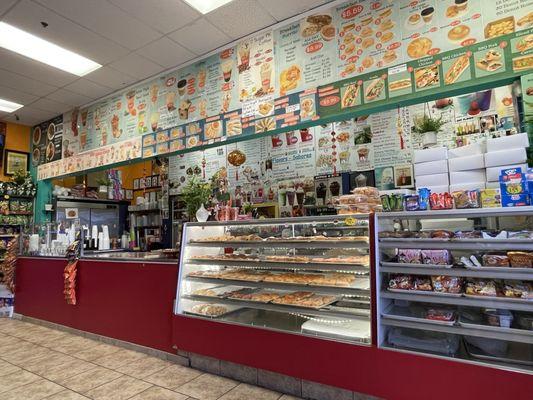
<point x="195" y="194"/>
<point x="428" y="127"/>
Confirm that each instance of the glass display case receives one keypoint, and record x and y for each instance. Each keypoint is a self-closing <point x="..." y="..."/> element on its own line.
<point x="457" y="283"/>
<point x="301" y="275"/>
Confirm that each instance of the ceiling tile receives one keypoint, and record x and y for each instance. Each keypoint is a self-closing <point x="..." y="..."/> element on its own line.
<point x="166" y="52"/>
<point x="200" y="37"/>
<point x="240" y="18"/>
<point x="106" y="19"/>
<point x="5" y="5"/>
<point x="136" y="65"/>
<point x="17" y="96"/>
<point x="50" y="105"/>
<point x="25" y="84"/>
<point x="283" y="9"/>
<point x="110" y="77"/>
<point x="28" y="15"/>
<point x="68" y="97"/>
<point x="88" y="88"/>
<point x="34" y="69"/>
<point x="162" y="15"/>
<point x="30" y="116"/>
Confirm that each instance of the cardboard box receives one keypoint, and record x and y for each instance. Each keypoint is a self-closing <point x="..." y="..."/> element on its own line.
<point x="431" y="180"/>
<point x="466" y="163"/>
<point x="476" y="175"/>
<point x="508" y="142"/>
<point x="426" y="155"/>
<point x="491" y="198"/>
<point x="467" y="186"/>
<point x="517" y="200"/>
<point x="470" y="150"/>
<point x="439" y="189"/>
<point x="505" y="157"/>
<point x="493" y="173"/>
<point x="431" y="167"/>
<point x="492" y="185"/>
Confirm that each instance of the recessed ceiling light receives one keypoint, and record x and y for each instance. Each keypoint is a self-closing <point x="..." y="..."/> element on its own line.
<point x="34" y="47"/>
<point x="205" y="6"/>
<point x="9" y="106"/>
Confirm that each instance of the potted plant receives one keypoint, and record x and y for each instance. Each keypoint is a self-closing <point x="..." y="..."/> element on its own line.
<point x="103" y="183"/>
<point x="428" y="127"/>
<point x="195" y="194"/>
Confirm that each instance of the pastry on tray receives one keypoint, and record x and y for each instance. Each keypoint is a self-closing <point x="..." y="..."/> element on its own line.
<point x="518" y="289"/>
<point x="292" y="298"/>
<point x="315" y="301"/>
<point x="210" y="310"/>
<point x="205" y="274"/>
<point x="481" y="287"/>
<point x="204" y="292"/>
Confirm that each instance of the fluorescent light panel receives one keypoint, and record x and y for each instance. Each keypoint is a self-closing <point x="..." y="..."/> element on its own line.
<point x="19" y="41"/>
<point x="205" y="6"/>
<point x="9" y="106"/>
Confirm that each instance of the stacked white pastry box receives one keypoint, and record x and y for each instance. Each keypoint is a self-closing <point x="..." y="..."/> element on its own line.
<point x="503" y="153"/>
<point x="467" y="167"/>
<point x="431" y="169"/>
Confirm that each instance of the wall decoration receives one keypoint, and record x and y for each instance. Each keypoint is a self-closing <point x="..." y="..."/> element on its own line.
<point x="16" y="161"/>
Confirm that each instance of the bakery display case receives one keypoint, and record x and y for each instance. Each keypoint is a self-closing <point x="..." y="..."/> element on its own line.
<point x="308" y="275"/>
<point x="457" y="283"/>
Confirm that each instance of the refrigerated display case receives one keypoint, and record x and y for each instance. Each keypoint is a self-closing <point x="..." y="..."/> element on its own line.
<point x="457" y="283"/>
<point x="308" y="275"/>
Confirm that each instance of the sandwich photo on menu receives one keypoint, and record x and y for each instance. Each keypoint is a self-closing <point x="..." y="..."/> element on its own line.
<point x="400" y="84"/>
<point x="456" y="69"/>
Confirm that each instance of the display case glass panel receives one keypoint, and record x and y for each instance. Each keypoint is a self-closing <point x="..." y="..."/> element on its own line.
<point x="301" y="275"/>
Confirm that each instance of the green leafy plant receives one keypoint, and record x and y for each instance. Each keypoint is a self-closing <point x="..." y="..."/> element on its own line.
<point x="194" y="194"/>
<point x="103" y="181"/>
<point x="363" y="137"/>
<point x="247" y="207"/>
<point x="425" y="124"/>
<point x="20" y="176"/>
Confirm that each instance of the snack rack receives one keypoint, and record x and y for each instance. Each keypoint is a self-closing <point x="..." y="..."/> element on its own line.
<point x="405" y="317"/>
<point x="309" y="275"/>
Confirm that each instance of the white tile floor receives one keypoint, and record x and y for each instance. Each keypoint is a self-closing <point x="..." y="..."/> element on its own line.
<point x="37" y="363"/>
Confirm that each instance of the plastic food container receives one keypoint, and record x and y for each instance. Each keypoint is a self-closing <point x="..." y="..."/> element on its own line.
<point x="525" y="321"/>
<point x="502" y="318"/>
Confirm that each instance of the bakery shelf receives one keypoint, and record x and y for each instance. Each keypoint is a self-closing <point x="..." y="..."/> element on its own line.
<point x="322" y="312"/>
<point x="279" y="244"/>
<point x="421" y="269"/>
<point x="285" y="265"/>
<point x="464" y="213"/>
<point x="411" y="243"/>
<point x="485" y="302"/>
<point x="345" y="290"/>
<point x="513" y="335"/>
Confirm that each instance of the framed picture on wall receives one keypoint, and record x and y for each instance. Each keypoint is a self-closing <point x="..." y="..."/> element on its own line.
<point x="15" y="161"/>
<point x="142" y="183"/>
<point x="128" y="193"/>
<point x="148" y="182"/>
<point x="136" y="184"/>
<point x="155" y="180"/>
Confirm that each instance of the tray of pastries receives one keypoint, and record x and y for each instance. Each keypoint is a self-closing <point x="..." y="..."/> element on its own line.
<point x="305" y="299"/>
<point x="255" y="295"/>
<point x="209" y="310"/>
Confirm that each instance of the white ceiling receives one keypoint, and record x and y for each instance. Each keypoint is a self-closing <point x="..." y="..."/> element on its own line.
<point x="133" y="39"/>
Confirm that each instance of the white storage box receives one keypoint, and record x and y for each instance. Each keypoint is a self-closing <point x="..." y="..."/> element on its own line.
<point x="431" y="180"/>
<point x="470" y="150"/>
<point x="505" y="157"/>
<point x="426" y="155"/>
<point x="396" y="191"/>
<point x="476" y="175"/>
<point x="466" y="163"/>
<point x="492" y="185"/>
<point x="467" y="186"/>
<point x="439" y="189"/>
<point x="431" y="167"/>
<point x="452" y="224"/>
<point x="508" y="142"/>
<point x="493" y="173"/>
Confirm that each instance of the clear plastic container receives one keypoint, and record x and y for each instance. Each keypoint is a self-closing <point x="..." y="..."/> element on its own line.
<point x="502" y="318"/>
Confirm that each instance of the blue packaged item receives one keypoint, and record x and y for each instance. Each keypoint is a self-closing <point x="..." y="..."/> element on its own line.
<point x="516" y="200"/>
<point x="423" y="198"/>
<point x="411" y="203"/>
<point x="513" y="182"/>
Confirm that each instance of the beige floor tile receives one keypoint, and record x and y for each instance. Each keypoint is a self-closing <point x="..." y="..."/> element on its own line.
<point x="143" y="367"/>
<point x="173" y="376"/>
<point x="100" y="350"/>
<point x="14" y="348"/>
<point x="159" y="393"/>
<point x="67" y="395"/>
<point x="89" y="379"/>
<point x="34" y="391"/>
<point x="289" y="397"/>
<point x="65" y="371"/>
<point x="16" y="379"/>
<point x="119" y="358"/>
<point x="73" y="345"/>
<point x="245" y="392"/>
<point x="119" y="389"/>
<point x="8" y="339"/>
<point x="207" y="387"/>
<point x="26" y="357"/>
<point x="7" y="368"/>
<point x="49" y="337"/>
<point x="43" y="364"/>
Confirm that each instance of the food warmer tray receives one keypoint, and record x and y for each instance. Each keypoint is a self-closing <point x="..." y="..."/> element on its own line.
<point x="258" y="291"/>
<point x="230" y="310"/>
<point x="522" y="351"/>
<point x="501" y="298"/>
<point x="388" y="314"/>
<point x="349" y="330"/>
<point x="252" y="261"/>
<point x="501" y="269"/>
<point x="426" y="292"/>
<point x="413" y="265"/>
<point x="483" y="326"/>
<point x="266" y="318"/>
<point x="322" y="306"/>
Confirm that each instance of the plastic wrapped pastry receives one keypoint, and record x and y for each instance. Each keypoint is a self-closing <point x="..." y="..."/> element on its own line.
<point x="410" y="256"/>
<point x="481" y="287"/>
<point x="438" y="257"/>
<point x="447" y="284"/>
<point x="404" y="282"/>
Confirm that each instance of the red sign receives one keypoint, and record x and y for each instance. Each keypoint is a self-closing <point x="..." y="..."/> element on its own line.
<point x="329" y="101"/>
<point x="313" y="47"/>
<point x="352" y="11"/>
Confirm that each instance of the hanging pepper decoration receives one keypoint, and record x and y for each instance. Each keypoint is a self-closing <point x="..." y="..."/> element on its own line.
<point x="334" y="152"/>
<point x="203" y="167"/>
<point x="71" y="270"/>
<point x="7" y="268"/>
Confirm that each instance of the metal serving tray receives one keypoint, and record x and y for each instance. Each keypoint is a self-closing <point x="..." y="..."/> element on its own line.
<point x="413" y="265"/>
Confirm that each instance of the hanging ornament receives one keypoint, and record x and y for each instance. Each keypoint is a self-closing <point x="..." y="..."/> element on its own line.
<point x="236" y="158"/>
<point x="334" y="151"/>
<point x="203" y="167"/>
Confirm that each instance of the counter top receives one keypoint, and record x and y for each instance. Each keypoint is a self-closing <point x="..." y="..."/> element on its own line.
<point x="113" y="257"/>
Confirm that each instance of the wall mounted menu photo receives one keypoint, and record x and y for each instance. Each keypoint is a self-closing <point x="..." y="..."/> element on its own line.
<point x="15" y="161"/>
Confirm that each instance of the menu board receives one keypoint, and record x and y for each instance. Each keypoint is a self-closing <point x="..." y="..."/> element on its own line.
<point x="256" y="66"/>
<point x="47" y="138"/>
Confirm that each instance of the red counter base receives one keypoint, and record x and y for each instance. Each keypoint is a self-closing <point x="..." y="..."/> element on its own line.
<point x="126" y="301"/>
<point x="365" y="369"/>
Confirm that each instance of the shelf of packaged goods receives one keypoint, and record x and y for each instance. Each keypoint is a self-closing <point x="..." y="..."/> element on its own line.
<point x="421" y="269"/>
<point x="344" y="290"/>
<point x="265" y="264"/>
<point x="324" y="244"/>
<point x="491" y="332"/>
<point x="457" y="244"/>
<point x="465" y="213"/>
<point x="322" y="312"/>
<point x="485" y="302"/>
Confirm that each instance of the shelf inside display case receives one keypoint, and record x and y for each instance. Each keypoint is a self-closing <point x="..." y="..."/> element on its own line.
<point x="311" y="271"/>
<point x="465" y="293"/>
